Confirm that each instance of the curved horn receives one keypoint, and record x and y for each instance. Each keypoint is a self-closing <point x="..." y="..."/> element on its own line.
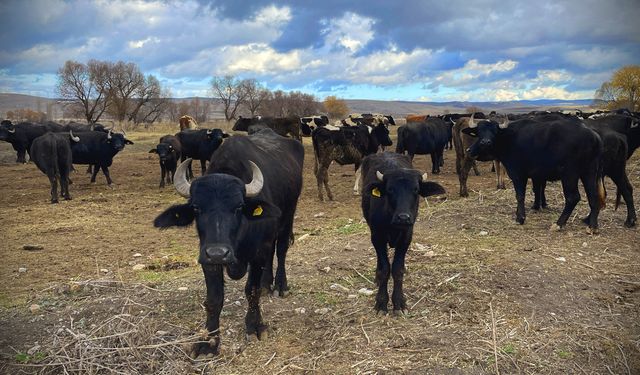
<point x="504" y="124"/>
<point x="379" y="175"/>
<point x="183" y="187"/>
<point x="471" y="123"/>
<point x="12" y="131"/>
<point x="424" y="177"/>
<point x="75" y="139"/>
<point x="254" y="187"/>
<point x="109" y="134"/>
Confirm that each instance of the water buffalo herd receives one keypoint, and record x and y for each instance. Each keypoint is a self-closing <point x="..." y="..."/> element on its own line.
<point x="244" y="204"/>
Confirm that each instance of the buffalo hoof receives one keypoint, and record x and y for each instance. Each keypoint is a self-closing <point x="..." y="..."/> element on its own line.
<point x="555" y="228"/>
<point x="203" y="350"/>
<point x="535" y="207"/>
<point x="501" y="187"/>
<point x="400" y="313"/>
<point x="282" y="293"/>
<point x="630" y="223"/>
<point x="520" y="220"/>
<point x="464" y="194"/>
<point x="53" y="201"/>
<point x="262" y="333"/>
<point x="67" y="197"/>
<point x="381" y="308"/>
<point x="592" y="230"/>
<point x="265" y="291"/>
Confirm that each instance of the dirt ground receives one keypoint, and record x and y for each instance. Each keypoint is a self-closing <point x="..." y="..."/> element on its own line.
<point x="485" y="295"/>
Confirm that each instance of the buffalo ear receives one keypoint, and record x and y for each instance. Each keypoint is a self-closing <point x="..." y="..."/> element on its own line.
<point x="430" y="188"/>
<point x="470" y="131"/>
<point x="153" y="151"/>
<point x="375" y="190"/>
<point x="179" y="215"/>
<point x="128" y="142"/>
<point x="255" y="209"/>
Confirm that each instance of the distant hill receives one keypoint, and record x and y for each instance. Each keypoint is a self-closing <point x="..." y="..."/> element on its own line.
<point x="53" y="107"/>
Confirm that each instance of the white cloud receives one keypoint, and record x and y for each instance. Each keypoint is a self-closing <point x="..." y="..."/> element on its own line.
<point x="351" y="31"/>
<point x="550" y="92"/>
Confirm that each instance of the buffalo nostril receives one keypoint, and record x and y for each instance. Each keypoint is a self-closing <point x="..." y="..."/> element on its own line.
<point x="218" y="254"/>
<point x="404" y="218"/>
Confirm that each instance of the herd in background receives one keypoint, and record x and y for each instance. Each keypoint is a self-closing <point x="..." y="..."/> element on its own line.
<point x="244" y="204"/>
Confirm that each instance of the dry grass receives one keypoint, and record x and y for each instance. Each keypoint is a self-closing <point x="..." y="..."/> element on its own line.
<point x="516" y="300"/>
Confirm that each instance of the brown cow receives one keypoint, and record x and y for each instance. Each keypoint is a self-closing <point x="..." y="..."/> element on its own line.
<point x="188" y="122"/>
<point x="416" y="118"/>
<point x="464" y="162"/>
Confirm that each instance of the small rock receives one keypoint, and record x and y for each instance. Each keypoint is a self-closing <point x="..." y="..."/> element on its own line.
<point x="352" y="296"/>
<point x="322" y="311"/>
<point x="304" y="236"/>
<point x="561" y="259"/>
<point x="32" y="247"/>
<point x="237" y="303"/>
<point x="33" y="350"/>
<point x="162" y="333"/>
<point x="430" y="253"/>
<point x="34" y="308"/>
<point x="139" y="267"/>
<point x="419" y="246"/>
<point x="22" y="270"/>
<point x="300" y="310"/>
<point x="183" y="288"/>
<point x="319" y="214"/>
<point x="584" y="244"/>
<point x="463" y="226"/>
<point x="339" y="287"/>
<point x="365" y="291"/>
<point x="326" y="269"/>
<point x="137" y="255"/>
<point x="483" y="233"/>
<point x="104" y="270"/>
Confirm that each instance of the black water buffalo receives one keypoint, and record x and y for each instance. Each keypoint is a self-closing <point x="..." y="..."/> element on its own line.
<point x="169" y="151"/>
<point x="98" y="149"/>
<point x="243" y="207"/>
<point x="560" y="149"/>
<point x="390" y="199"/>
<point x="285" y="126"/>
<point x="428" y="137"/>
<point x="464" y="162"/>
<point x="200" y="145"/>
<point x="51" y="153"/>
<point x="21" y="136"/>
<point x="629" y="126"/>
<point x="345" y="145"/>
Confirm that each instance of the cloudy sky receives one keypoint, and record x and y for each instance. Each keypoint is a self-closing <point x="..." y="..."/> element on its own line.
<point x="415" y="50"/>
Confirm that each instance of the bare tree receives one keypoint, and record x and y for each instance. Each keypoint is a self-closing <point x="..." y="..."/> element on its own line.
<point x="256" y="94"/>
<point x="473" y="109"/>
<point x="85" y="86"/>
<point x="125" y="80"/>
<point x="200" y="109"/>
<point x="231" y="92"/>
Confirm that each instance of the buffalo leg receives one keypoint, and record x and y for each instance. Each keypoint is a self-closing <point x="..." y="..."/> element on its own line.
<point x="397" y="271"/>
<point x="54" y="187"/>
<point x="539" y="198"/>
<point x="499" y="169"/>
<point x="64" y="185"/>
<point x="21" y="155"/>
<point x="475" y="168"/>
<point x="163" y="171"/>
<point x="89" y="169"/>
<point x="571" y="198"/>
<point x="214" y="280"/>
<point x="590" y="182"/>
<point x="94" y="173"/>
<point x="105" y="170"/>
<point x="379" y="242"/>
<point x="467" y="162"/>
<point x="520" y="186"/>
<point x="435" y="163"/>
<point x="625" y="188"/>
<point x="266" y="280"/>
<point x="282" y="245"/>
<point x="253" y="320"/>
<point x="203" y="166"/>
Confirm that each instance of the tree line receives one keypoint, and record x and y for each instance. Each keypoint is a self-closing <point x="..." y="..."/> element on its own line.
<point x="120" y="90"/>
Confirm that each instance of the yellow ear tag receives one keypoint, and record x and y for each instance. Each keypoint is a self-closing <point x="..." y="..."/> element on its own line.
<point x="257" y="211"/>
<point x="375" y="192"/>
